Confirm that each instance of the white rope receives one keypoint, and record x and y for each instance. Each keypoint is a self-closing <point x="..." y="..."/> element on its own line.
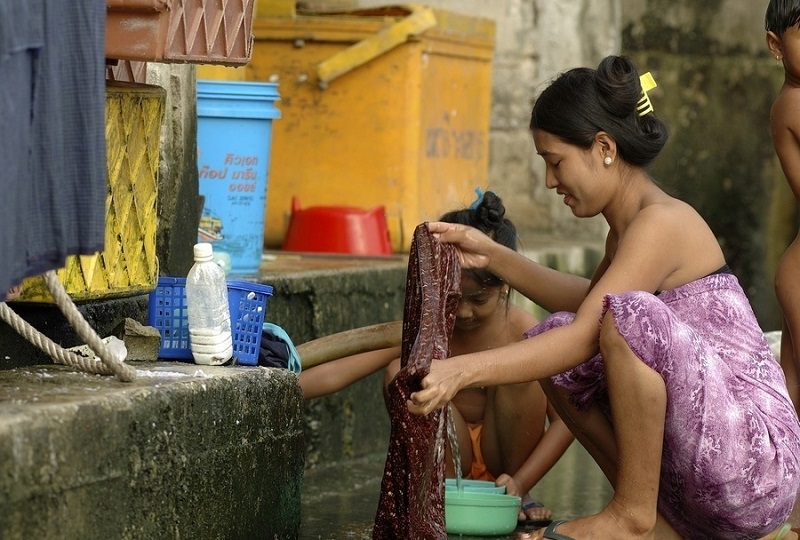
<point x="108" y="365"/>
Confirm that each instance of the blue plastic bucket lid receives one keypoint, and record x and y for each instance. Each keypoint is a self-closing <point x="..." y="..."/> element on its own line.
<point x="236" y="99"/>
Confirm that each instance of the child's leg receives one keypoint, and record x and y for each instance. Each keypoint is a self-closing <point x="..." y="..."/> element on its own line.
<point x="514" y="425"/>
<point x="787" y="289"/>
<point x="590" y="427"/>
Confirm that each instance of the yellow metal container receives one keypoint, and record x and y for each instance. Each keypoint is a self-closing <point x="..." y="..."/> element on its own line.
<point x="128" y="264"/>
<point x="386" y="107"/>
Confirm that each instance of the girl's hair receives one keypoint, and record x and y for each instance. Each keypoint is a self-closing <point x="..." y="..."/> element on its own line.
<point x="488" y="217"/>
<point x="583" y="101"/>
<point x="781" y="15"/>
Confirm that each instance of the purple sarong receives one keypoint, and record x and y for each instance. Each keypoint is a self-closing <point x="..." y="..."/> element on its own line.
<point x="732" y="440"/>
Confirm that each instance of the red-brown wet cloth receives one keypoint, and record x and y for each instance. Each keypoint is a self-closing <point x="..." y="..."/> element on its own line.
<point x="411" y="505"/>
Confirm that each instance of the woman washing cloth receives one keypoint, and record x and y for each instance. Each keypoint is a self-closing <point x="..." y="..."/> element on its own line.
<point x="508" y="434"/>
<point x="657" y="364"/>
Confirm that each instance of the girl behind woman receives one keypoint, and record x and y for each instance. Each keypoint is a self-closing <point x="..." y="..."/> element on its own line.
<point x="508" y="434"/>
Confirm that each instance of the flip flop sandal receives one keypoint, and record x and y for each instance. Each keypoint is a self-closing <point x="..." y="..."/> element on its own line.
<point x="550" y="531"/>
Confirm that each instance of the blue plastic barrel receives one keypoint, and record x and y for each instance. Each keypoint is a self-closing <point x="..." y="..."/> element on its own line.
<point x="234" y="135"/>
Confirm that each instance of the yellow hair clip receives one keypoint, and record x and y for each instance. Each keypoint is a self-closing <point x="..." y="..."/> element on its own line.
<point x="648" y="83"/>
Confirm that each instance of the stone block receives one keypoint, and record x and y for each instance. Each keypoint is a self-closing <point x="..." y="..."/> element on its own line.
<point x="141" y="341"/>
<point x="178" y="453"/>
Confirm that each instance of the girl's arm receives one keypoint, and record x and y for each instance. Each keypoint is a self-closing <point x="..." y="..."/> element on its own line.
<point x="324" y="379"/>
<point x="785" y="127"/>
<point x="551" y="447"/>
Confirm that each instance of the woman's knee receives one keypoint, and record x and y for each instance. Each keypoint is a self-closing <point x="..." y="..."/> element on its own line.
<point x="615" y="332"/>
<point x="611" y="339"/>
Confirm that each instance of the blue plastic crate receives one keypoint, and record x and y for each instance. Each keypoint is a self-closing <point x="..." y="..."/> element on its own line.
<point x="248" y="304"/>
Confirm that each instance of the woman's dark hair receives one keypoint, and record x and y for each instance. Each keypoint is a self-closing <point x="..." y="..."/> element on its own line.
<point x="488" y="216"/>
<point x="583" y="101"/>
<point x="781" y="15"/>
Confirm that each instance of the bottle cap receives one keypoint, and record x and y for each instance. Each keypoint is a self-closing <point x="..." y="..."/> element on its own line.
<point x="203" y="251"/>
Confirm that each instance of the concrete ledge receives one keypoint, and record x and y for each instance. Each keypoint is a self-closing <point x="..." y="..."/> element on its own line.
<point x="102" y="315"/>
<point x="190" y="452"/>
<point x="319" y="295"/>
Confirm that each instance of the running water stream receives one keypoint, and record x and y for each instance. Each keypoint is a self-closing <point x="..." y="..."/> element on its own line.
<point x="452" y="438"/>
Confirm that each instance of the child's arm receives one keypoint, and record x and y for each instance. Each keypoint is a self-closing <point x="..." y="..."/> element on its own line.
<point x="785" y="127"/>
<point x="551" y="447"/>
<point x="335" y="375"/>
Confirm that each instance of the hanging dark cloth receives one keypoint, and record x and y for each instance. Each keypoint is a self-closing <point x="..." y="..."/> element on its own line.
<point x="52" y="134"/>
<point x="411" y="505"/>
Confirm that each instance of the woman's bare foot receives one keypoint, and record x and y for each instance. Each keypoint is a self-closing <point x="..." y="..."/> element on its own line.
<point x="599" y="526"/>
<point x="591" y="528"/>
<point x="13" y="293"/>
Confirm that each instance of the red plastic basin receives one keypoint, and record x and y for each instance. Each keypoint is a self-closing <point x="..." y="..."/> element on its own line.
<point x="338" y="229"/>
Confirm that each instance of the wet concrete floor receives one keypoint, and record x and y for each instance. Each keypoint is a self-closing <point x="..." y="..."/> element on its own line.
<point x="339" y="503"/>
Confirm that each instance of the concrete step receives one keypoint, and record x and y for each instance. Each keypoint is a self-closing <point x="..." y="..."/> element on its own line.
<point x="184" y="451"/>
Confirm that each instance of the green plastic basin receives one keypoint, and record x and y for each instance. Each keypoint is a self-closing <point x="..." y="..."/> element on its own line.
<point x="483" y="486"/>
<point x="479" y="513"/>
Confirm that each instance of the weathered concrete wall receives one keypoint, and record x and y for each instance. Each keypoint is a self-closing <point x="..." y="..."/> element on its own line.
<point x="204" y="456"/>
<point x="716" y="85"/>
<point x="326" y="297"/>
<point x="102" y="315"/>
<point x="178" y="209"/>
<point x="535" y="40"/>
<point x="314" y="296"/>
<point x="717" y="82"/>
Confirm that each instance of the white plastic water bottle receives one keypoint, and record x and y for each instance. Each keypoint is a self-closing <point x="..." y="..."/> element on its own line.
<point x="209" y="315"/>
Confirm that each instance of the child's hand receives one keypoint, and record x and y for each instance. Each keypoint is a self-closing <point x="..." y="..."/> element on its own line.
<point x="511" y="485"/>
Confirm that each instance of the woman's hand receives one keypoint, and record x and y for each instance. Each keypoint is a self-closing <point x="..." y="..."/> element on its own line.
<point x="474" y="247"/>
<point x="438" y="387"/>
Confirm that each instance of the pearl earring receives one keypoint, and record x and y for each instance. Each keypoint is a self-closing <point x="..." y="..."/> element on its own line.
<point x="607" y="160"/>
